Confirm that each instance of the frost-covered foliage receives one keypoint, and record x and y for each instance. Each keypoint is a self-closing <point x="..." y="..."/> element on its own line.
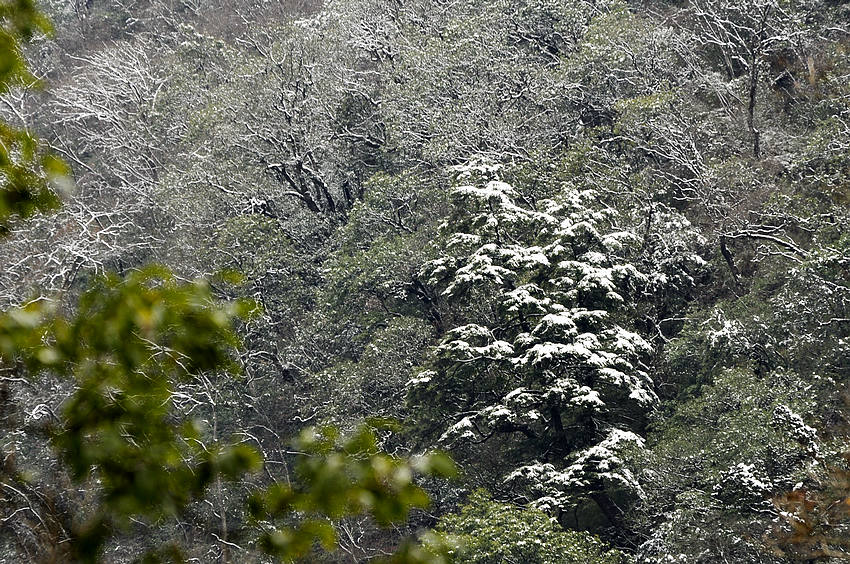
<point x="632" y="312"/>
<point x="492" y="533"/>
<point x="552" y="357"/>
<point x="712" y="467"/>
<point x="513" y="97"/>
<point x="812" y="311"/>
<point x="602" y="461"/>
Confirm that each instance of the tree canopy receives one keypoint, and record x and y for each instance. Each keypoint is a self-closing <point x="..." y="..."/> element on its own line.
<point x="262" y="262"/>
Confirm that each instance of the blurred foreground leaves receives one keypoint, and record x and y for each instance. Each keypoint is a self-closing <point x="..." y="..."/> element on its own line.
<point x="27" y="171"/>
<point x="126" y="346"/>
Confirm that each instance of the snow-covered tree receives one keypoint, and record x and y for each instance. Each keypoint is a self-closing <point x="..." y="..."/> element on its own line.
<point x="544" y="348"/>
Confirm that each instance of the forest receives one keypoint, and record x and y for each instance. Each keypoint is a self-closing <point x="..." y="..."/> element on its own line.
<point x="425" y="281"/>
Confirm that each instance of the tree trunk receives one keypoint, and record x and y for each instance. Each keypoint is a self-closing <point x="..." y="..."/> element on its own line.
<point x="612" y="513"/>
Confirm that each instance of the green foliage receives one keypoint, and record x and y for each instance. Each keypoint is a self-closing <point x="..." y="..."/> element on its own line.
<point x="277" y="274"/>
<point x="21" y="20"/>
<point x="373" y="274"/>
<point x="739" y="418"/>
<point x="489" y="532"/>
<point x="373" y="385"/>
<point x="568" y="296"/>
<point x="714" y="463"/>
<point x="339" y="478"/>
<point x="26" y="171"/>
<point x="126" y="345"/>
<point x="129" y="342"/>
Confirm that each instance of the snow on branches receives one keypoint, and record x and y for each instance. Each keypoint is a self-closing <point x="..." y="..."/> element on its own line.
<point x="549" y="357"/>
